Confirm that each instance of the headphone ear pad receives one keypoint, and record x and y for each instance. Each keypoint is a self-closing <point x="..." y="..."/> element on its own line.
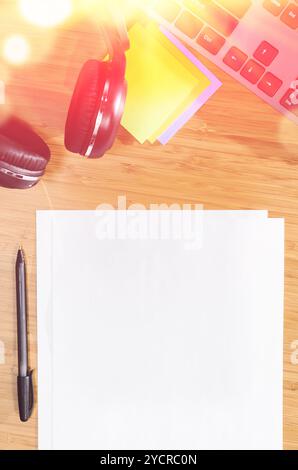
<point x="21" y="147"/>
<point x="84" y="105"/>
<point x="22" y="151"/>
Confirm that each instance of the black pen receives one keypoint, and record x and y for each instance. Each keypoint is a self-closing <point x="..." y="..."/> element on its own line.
<point x="25" y="386"/>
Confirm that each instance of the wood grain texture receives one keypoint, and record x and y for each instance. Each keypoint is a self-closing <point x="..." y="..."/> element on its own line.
<point x="236" y="153"/>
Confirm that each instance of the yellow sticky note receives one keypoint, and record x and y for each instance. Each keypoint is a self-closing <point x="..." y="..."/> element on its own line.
<point x="178" y="111"/>
<point x="158" y="84"/>
<point x="202" y="82"/>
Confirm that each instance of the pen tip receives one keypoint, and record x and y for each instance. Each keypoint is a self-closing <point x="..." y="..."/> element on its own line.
<point x="20" y="256"/>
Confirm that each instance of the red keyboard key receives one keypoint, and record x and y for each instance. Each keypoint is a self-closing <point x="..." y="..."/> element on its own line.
<point x="214" y="15"/>
<point x="252" y="71"/>
<point x="235" y="58"/>
<point x="275" y="6"/>
<point x="210" y="40"/>
<point x="290" y="100"/>
<point x="266" y="53"/>
<point x="270" y="84"/>
<point x="237" y="7"/>
<point x="290" y="16"/>
<point x="189" y="24"/>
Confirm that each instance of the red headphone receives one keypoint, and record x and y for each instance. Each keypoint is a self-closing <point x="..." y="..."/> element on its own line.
<point x="93" y="119"/>
<point x="98" y="100"/>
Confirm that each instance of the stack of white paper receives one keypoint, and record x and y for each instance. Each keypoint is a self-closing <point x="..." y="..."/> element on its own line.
<point x="160" y="330"/>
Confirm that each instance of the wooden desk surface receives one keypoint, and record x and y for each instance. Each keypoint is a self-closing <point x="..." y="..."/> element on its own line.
<point x="236" y="153"/>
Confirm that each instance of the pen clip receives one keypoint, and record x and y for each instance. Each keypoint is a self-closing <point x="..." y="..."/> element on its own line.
<point x="25" y="396"/>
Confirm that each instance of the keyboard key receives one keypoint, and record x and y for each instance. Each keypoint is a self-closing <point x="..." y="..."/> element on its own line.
<point x="265" y="53"/>
<point x="214" y="15"/>
<point x="237" y="7"/>
<point x="290" y="16"/>
<point x="290" y="101"/>
<point x="270" y="84"/>
<point x="210" y="40"/>
<point x="252" y="71"/>
<point x="275" y="6"/>
<point x="189" y="24"/>
<point x="235" y="58"/>
<point x="168" y="9"/>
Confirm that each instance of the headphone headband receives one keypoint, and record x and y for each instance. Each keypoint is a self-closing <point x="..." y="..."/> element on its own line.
<point x="115" y="32"/>
<point x="98" y="100"/>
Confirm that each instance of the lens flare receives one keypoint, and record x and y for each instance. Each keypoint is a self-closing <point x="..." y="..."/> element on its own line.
<point x="46" y="13"/>
<point x="16" y="50"/>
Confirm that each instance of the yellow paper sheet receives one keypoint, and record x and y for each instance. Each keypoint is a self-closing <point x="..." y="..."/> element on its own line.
<point x="159" y="84"/>
<point x="178" y="111"/>
<point x="202" y="81"/>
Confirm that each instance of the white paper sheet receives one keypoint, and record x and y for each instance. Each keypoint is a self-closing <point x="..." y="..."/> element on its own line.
<point x="159" y="344"/>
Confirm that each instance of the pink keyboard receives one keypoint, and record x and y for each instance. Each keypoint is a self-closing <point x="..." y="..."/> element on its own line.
<point x="255" y="41"/>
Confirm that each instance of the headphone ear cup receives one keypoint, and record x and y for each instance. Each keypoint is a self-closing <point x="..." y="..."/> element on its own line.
<point x="22" y="153"/>
<point x="84" y="104"/>
<point x="110" y="121"/>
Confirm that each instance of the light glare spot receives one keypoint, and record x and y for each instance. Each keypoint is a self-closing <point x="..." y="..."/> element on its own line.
<point x="46" y="13"/>
<point x="16" y="49"/>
